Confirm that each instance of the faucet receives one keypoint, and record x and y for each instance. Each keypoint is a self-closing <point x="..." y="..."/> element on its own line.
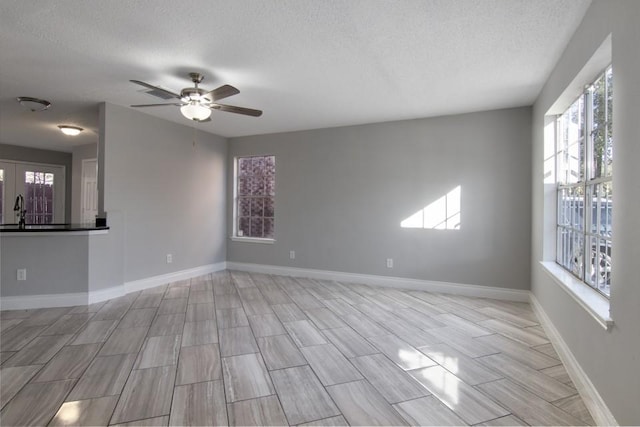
<point x="20" y="211"/>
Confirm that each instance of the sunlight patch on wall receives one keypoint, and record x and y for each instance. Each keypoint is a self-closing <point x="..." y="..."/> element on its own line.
<point x="441" y="214"/>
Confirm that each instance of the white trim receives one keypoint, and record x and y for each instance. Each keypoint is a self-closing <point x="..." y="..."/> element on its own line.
<point x="83" y="298"/>
<point x="150" y="282"/>
<point x="253" y="240"/>
<point x="392" y="282"/>
<point x="590" y="396"/>
<point x="106" y="294"/>
<point x="589" y="299"/>
<point x="24" y="302"/>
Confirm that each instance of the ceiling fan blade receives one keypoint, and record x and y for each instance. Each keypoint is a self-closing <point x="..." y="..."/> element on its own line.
<point x="147" y="85"/>
<point x="237" y="110"/>
<point x="156" y="105"/>
<point x="222" y="92"/>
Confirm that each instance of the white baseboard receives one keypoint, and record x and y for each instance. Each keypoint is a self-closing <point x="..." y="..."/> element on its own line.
<point x="590" y="396"/>
<point x="83" y="298"/>
<point x="106" y="294"/>
<point x="24" y="302"/>
<point x="392" y="282"/>
<point x="151" y="282"/>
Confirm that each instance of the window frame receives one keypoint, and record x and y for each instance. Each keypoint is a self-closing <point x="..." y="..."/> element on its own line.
<point x="236" y="175"/>
<point x="588" y="228"/>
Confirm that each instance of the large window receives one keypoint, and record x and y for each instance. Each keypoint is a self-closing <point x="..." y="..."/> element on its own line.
<point x="255" y="183"/>
<point x="584" y="146"/>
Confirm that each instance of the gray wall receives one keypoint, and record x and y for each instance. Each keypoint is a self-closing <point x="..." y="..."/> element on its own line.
<point x="166" y="185"/>
<point x="106" y="267"/>
<point x="610" y="359"/>
<point x="81" y="152"/>
<point x="55" y="264"/>
<point x="36" y="155"/>
<point x="342" y="193"/>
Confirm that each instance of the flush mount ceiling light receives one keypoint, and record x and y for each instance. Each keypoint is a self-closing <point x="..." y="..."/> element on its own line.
<point x="70" y="130"/>
<point x="33" y="104"/>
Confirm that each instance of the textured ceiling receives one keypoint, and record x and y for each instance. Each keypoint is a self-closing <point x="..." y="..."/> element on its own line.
<point x="307" y="63"/>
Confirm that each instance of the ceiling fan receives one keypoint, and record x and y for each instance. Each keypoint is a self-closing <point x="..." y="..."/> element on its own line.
<point x="196" y="103"/>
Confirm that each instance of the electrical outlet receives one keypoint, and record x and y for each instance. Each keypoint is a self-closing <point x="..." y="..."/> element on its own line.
<point x="22" y="274"/>
<point x="292" y="254"/>
<point x="169" y="258"/>
<point x="389" y="262"/>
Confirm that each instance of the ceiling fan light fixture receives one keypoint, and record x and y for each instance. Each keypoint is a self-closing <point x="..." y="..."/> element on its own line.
<point x="70" y="130"/>
<point x="195" y="103"/>
<point x="195" y="111"/>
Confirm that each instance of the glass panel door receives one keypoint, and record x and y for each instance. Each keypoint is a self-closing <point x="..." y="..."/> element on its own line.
<point x="42" y="187"/>
<point x="43" y="190"/>
<point x="1" y="196"/>
<point x="7" y="193"/>
<point x="38" y="195"/>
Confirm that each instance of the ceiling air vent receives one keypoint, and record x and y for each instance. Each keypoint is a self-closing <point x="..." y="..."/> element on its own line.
<point x="158" y="94"/>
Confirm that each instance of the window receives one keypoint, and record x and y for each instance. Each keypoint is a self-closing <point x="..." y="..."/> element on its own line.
<point x="584" y="145"/>
<point x="255" y="196"/>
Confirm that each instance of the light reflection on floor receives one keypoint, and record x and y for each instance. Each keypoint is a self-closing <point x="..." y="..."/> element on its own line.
<point x="69" y="413"/>
<point x="440" y="382"/>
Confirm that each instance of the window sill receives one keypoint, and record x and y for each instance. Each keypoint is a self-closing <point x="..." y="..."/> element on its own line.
<point x="253" y="240"/>
<point x="594" y="303"/>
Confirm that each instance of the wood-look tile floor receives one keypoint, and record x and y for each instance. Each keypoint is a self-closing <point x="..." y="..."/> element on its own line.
<point x="234" y="348"/>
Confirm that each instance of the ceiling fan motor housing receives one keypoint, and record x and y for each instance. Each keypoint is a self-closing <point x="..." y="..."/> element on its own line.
<point x="194" y="94"/>
<point x="196" y="77"/>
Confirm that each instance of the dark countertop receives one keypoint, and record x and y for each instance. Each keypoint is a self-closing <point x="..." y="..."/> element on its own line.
<point x="13" y="228"/>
